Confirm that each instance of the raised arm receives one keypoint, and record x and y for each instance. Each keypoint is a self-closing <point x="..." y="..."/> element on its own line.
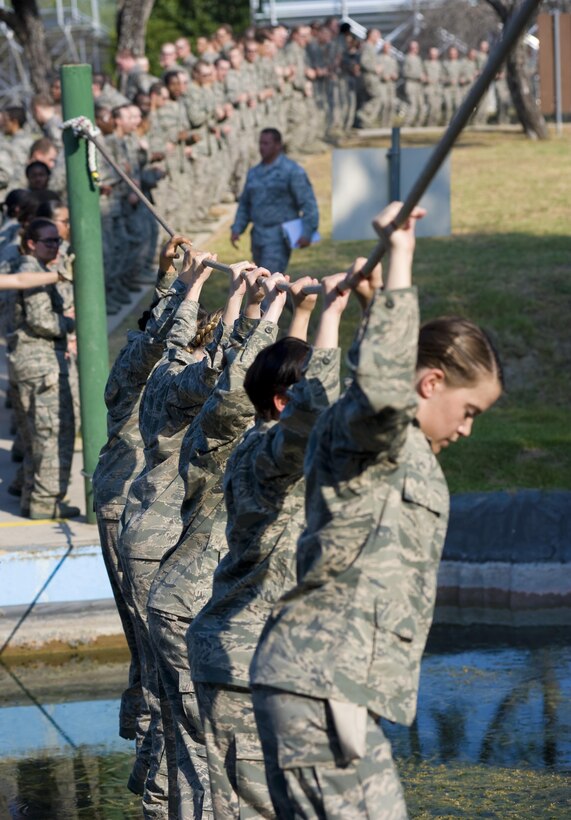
<point x="303" y="306"/>
<point x="25" y="280"/>
<point x="283" y="451"/>
<point x="381" y="402"/>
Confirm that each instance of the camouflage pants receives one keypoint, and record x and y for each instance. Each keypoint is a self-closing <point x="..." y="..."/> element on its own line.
<point x="298" y="128"/>
<point x="369" y="113"/>
<point x="235" y="757"/>
<point x="48" y="435"/>
<point x="415" y="99"/>
<point x="269" y="248"/>
<point x="434" y="102"/>
<point x="134" y="712"/>
<point x="390" y="106"/>
<point x="308" y="774"/>
<point x="452" y="101"/>
<point x="151" y="760"/>
<point x="188" y="753"/>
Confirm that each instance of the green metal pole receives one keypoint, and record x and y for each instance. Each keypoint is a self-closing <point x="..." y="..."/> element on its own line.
<point x="88" y="282"/>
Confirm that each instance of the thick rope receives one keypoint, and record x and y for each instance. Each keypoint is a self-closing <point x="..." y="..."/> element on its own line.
<point x="83" y="127"/>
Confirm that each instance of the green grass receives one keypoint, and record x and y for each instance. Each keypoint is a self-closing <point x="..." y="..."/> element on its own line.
<point x="507" y="266"/>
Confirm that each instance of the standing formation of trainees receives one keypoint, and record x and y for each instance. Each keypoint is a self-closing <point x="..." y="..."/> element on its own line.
<point x="273" y="543"/>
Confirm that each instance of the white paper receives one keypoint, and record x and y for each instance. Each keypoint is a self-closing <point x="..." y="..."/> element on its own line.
<point x="293" y="231"/>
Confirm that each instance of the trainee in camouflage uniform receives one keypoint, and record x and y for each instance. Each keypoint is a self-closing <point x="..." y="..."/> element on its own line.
<point x="242" y="121"/>
<point x="469" y="70"/>
<point x="120" y="460"/>
<point x="300" y="122"/>
<point x="336" y="90"/>
<point x="487" y="104"/>
<point x="319" y="55"/>
<point x="453" y="79"/>
<point x="116" y="244"/>
<point x="277" y="190"/>
<point x="162" y="133"/>
<point x="175" y="392"/>
<point x="184" y="582"/>
<point x="136" y="237"/>
<point x="18" y="142"/>
<point x="264" y="493"/>
<point x="343" y="648"/>
<point x="37" y="346"/>
<point x="369" y="111"/>
<point x="389" y="77"/>
<point x="200" y="104"/>
<point x="142" y="227"/>
<point x="433" y="90"/>
<point x="227" y="123"/>
<point x="350" y="71"/>
<point x="253" y="81"/>
<point x="269" y="114"/>
<point x="413" y="75"/>
<point x="178" y="195"/>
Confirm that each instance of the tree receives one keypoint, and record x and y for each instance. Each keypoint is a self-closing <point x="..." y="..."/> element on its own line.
<point x="523" y="99"/>
<point x="132" y="19"/>
<point x="24" y="20"/>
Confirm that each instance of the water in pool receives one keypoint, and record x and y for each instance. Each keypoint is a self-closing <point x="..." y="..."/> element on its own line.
<point x="492" y="738"/>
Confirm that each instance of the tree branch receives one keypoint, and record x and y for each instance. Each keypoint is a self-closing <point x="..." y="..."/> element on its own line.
<point x="500" y="8"/>
<point x="9" y="18"/>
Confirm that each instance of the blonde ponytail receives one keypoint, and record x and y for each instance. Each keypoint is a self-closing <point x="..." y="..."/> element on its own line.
<point x="207" y="324"/>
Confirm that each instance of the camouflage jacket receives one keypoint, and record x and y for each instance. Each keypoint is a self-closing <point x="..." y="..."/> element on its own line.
<point x="264" y="491"/>
<point x="200" y="104"/>
<point x="178" y="386"/>
<point x="355" y="627"/>
<point x="412" y="68"/>
<point x="275" y="193"/>
<point x="184" y="583"/>
<point x="121" y="458"/>
<point x="151" y="521"/>
<point x="37" y="337"/>
<point x="434" y="73"/>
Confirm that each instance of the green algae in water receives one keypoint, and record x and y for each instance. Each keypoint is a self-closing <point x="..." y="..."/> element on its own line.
<point x="449" y="791"/>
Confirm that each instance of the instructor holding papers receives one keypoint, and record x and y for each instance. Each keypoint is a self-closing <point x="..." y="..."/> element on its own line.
<point x="277" y="191"/>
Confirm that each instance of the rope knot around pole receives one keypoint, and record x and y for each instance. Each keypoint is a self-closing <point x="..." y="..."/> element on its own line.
<point x="82" y="127"/>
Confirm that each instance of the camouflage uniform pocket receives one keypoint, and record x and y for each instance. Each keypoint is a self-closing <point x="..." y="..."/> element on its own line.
<point x="253" y="794"/>
<point x="47" y="382"/>
<point x="191" y="710"/>
<point x="391" y="670"/>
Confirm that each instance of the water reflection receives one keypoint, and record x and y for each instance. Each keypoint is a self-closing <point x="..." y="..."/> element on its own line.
<point x="489" y="712"/>
<point x="81" y="785"/>
<point x="498" y="706"/>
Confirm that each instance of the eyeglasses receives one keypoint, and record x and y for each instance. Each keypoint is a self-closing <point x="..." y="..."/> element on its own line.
<point x="50" y="240"/>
